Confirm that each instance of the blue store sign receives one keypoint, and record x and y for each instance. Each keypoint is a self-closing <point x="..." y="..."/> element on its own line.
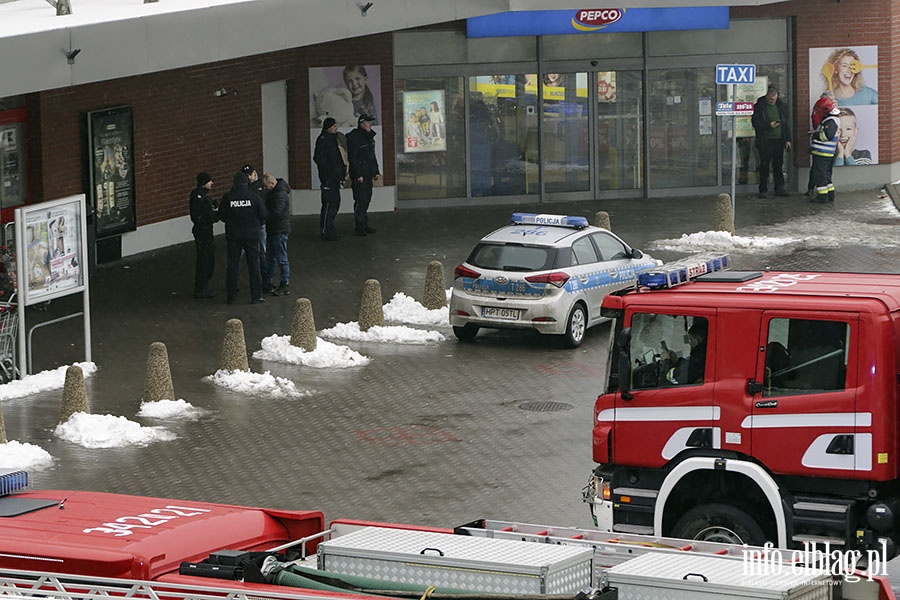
<point x="597" y="20"/>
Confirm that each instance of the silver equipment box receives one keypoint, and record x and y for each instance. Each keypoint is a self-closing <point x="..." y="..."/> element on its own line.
<point x="665" y="576"/>
<point x="460" y="562"/>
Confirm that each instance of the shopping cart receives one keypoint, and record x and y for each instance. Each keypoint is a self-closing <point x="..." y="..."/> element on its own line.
<point x="9" y="327"/>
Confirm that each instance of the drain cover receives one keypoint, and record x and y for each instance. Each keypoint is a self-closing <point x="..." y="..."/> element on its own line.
<point x="546" y="406"/>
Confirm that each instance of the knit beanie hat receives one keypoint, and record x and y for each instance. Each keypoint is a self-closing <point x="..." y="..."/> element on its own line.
<point x="203" y="178"/>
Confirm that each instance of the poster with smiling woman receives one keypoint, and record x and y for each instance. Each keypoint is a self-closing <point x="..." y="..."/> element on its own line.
<point x="851" y="75"/>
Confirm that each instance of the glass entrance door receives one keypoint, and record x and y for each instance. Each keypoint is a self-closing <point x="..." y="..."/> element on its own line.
<point x="565" y="138"/>
<point x="619" y="138"/>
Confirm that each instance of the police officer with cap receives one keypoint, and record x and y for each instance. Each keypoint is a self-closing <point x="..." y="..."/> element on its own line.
<point x="363" y="171"/>
<point x="204" y="212"/>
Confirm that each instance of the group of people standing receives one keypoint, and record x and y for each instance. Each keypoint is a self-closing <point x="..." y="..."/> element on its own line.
<point x="338" y="160"/>
<point x="257" y="216"/>
<point x="831" y="142"/>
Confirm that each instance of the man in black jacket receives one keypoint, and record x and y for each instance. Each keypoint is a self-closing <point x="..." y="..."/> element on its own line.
<point x="363" y="171"/>
<point x="278" y="230"/>
<point x="243" y="213"/>
<point x="773" y="137"/>
<point x="204" y="212"/>
<point x="332" y="171"/>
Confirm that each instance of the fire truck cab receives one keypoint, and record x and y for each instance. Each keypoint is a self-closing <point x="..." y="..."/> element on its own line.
<point x="751" y="406"/>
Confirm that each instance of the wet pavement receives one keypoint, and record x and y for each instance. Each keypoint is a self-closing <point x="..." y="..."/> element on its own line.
<point x="437" y="434"/>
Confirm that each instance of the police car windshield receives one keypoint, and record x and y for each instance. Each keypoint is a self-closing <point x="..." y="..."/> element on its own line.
<point x="512" y="257"/>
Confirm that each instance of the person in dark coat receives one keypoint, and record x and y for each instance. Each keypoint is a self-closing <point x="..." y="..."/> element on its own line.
<point x="278" y="230"/>
<point x="256" y="186"/>
<point x="332" y="172"/>
<point x="773" y="137"/>
<point x="243" y="213"/>
<point x="363" y="171"/>
<point x="204" y="213"/>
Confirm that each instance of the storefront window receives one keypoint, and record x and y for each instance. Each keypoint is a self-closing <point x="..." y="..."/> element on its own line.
<point x="566" y="132"/>
<point x="503" y="134"/>
<point x="619" y="141"/>
<point x="682" y="149"/>
<point x="13" y="159"/>
<point x="431" y="155"/>
<point x="745" y="172"/>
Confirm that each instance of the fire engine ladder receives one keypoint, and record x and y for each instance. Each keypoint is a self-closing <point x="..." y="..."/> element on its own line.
<point x="610" y="548"/>
<point x="32" y="584"/>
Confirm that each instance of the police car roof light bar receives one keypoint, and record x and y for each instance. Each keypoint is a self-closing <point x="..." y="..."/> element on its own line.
<point x="543" y="219"/>
<point x="12" y="481"/>
<point x="682" y="271"/>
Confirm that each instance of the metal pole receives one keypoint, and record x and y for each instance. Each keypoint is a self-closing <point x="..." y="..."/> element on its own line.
<point x="733" y="148"/>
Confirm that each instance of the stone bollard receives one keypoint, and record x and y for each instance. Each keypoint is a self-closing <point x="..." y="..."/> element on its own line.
<point x="158" y="383"/>
<point x="723" y="216"/>
<point x="234" y="348"/>
<point x="74" y="394"/>
<point x="601" y="219"/>
<point x="435" y="292"/>
<point x="303" y="327"/>
<point x="3" y="439"/>
<point x="370" y="311"/>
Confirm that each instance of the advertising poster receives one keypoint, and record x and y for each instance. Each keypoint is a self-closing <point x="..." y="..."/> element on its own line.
<point x="851" y="74"/>
<point x="424" y="126"/>
<point x="52" y="246"/>
<point x="111" y="192"/>
<point x="344" y="93"/>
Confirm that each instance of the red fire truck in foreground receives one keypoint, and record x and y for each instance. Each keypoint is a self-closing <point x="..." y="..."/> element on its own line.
<point x="752" y="406"/>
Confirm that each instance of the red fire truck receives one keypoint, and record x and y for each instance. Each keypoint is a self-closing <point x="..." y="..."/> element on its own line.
<point x="752" y="406"/>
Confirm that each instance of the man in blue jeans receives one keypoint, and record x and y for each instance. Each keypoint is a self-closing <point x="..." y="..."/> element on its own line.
<point x="278" y="230"/>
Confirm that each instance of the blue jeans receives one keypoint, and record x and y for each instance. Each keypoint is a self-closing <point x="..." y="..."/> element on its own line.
<point x="276" y="254"/>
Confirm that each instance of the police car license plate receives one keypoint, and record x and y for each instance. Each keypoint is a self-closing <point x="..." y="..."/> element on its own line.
<point x="500" y="313"/>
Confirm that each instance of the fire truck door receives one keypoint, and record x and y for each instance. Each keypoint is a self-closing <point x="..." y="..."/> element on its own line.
<point x="804" y="419"/>
<point x="671" y="408"/>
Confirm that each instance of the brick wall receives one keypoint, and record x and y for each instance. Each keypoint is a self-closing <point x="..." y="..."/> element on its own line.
<point x="181" y="128"/>
<point x="831" y="23"/>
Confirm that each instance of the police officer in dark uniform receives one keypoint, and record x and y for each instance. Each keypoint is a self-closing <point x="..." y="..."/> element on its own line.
<point x="204" y="212"/>
<point x="243" y="213"/>
<point x="363" y="171"/>
<point x="256" y="186"/>
<point x="332" y="171"/>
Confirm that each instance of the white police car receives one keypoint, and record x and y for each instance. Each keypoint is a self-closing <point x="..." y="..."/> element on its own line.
<point x="544" y="272"/>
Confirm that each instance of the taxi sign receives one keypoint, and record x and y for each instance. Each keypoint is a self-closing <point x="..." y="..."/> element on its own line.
<point x="734" y="108"/>
<point x="726" y="74"/>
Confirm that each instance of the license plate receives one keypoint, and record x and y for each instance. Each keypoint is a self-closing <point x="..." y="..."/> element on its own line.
<point x="500" y="313"/>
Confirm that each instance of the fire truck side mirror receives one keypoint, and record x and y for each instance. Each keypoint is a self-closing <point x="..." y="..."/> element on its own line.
<point x="623" y="362"/>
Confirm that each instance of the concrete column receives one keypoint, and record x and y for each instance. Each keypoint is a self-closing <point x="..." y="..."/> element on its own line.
<point x="74" y="394"/>
<point x="371" y="312"/>
<point x="723" y="215"/>
<point x="158" y="382"/>
<point x="234" y="347"/>
<point x="435" y="292"/>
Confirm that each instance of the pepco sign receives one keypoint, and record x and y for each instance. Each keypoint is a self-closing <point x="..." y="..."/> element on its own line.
<point x="594" y="19"/>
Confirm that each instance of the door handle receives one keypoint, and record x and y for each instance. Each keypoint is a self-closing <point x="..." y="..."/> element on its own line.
<point x="754" y="387"/>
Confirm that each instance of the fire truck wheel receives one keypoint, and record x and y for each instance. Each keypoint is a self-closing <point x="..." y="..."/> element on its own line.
<point x="719" y="523"/>
<point x="466" y="333"/>
<point x="576" y="326"/>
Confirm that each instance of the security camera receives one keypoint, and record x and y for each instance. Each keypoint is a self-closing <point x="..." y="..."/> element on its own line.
<point x="594" y="63"/>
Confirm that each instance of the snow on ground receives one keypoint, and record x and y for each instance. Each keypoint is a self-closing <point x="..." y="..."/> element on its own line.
<point x="278" y="348"/>
<point x="263" y="385"/>
<point x="109" y="431"/>
<point x="395" y="334"/>
<point x="54" y="379"/>
<point x="171" y="409"/>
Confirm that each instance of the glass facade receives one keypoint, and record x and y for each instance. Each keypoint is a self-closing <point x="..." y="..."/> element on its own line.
<point x="576" y="117"/>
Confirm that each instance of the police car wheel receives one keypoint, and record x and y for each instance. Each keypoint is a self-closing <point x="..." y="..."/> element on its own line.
<point x="719" y="523"/>
<point x="465" y="333"/>
<point x="576" y="326"/>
